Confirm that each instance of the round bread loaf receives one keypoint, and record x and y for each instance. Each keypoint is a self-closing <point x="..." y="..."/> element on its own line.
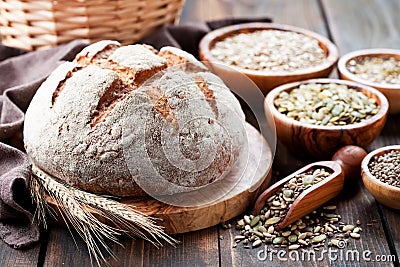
<point x="117" y="115"/>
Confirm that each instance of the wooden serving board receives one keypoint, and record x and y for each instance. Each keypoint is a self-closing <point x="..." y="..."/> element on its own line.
<point x="248" y="185"/>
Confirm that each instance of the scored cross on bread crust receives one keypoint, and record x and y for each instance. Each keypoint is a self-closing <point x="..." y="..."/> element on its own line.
<point x="117" y="100"/>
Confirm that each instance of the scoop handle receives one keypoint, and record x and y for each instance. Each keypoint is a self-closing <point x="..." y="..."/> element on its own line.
<point x="350" y="158"/>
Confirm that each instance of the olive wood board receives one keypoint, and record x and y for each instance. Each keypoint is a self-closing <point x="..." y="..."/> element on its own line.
<point x="248" y="185"/>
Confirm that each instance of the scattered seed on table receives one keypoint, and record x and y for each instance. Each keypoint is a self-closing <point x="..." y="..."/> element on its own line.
<point x="313" y="229"/>
<point x="348" y="227"/>
<point x="355" y="235"/>
<point x="256" y="243"/>
<point x="319" y="238"/>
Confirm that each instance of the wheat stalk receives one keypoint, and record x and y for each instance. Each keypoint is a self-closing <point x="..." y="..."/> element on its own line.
<point x="73" y="204"/>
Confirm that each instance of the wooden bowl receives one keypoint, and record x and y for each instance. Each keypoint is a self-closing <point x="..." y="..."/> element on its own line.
<point x="386" y="194"/>
<point x="321" y="142"/>
<point x="391" y="91"/>
<point x="266" y="80"/>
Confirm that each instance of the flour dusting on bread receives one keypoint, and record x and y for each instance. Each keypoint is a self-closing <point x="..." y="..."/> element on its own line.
<point x="164" y="108"/>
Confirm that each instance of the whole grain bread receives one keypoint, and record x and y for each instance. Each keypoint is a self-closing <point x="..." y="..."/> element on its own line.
<point x="120" y="119"/>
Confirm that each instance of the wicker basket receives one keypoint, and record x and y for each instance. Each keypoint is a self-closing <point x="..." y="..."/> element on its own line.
<point x="39" y="24"/>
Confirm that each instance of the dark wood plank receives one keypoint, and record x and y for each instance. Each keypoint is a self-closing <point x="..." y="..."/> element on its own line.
<point x="355" y="203"/>
<point x="129" y="254"/>
<point x="66" y="248"/>
<point x="62" y="249"/>
<point x="364" y="23"/>
<point x="198" y="248"/>
<point x="390" y="134"/>
<point x="13" y="257"/>
<point x="391" y="220"/>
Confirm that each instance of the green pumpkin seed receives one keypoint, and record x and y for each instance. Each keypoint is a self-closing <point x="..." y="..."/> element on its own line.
<point x="254" y="221"/>
<point x="319" y="238"/>
<point x="292" y="238"/>
<point x="272" y="220"/>
<point x="278" y="240"/>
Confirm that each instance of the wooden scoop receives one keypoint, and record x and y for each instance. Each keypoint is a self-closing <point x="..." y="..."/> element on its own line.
<point x="345" y="163"/>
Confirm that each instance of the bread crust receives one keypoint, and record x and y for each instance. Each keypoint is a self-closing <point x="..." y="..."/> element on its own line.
<point x="95" y="123"/>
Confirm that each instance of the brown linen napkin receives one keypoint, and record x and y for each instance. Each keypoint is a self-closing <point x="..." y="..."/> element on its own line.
<point x="16" y="227"/>
<point x="21" y="74"/>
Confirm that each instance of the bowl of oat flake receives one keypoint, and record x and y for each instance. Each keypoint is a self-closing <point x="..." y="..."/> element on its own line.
<point x="379" y="68"/>
<point x="381" y="175"/>
<point x="316" y="117"/>
<point x="269" y="54"/>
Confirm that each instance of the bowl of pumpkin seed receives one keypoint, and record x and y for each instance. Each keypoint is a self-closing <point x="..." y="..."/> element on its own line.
<point x="375" y="67"/>
<point x="316" y="117"/>
<point x="381" y="175"/>
<point x="270" y="54"/>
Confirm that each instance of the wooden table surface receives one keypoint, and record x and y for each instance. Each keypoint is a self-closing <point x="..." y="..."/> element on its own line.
<point x="352" y="25"/>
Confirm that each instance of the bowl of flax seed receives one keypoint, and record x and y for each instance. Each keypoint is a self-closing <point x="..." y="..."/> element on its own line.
<point x="269" y="54"/>
<point x="381" y="175"/>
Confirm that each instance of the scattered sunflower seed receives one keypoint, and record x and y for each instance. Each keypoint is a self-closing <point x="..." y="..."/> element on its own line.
<point x="256" y="243"/>
<point x="355" y="235"/>
<point x="348" y="227"/>
<point x="239" y="237"/>
<point x="292" y="247"/>
<point x="247" y="219"/>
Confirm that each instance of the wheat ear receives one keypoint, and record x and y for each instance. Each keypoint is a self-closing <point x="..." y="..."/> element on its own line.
<point x="73" y="204"/>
